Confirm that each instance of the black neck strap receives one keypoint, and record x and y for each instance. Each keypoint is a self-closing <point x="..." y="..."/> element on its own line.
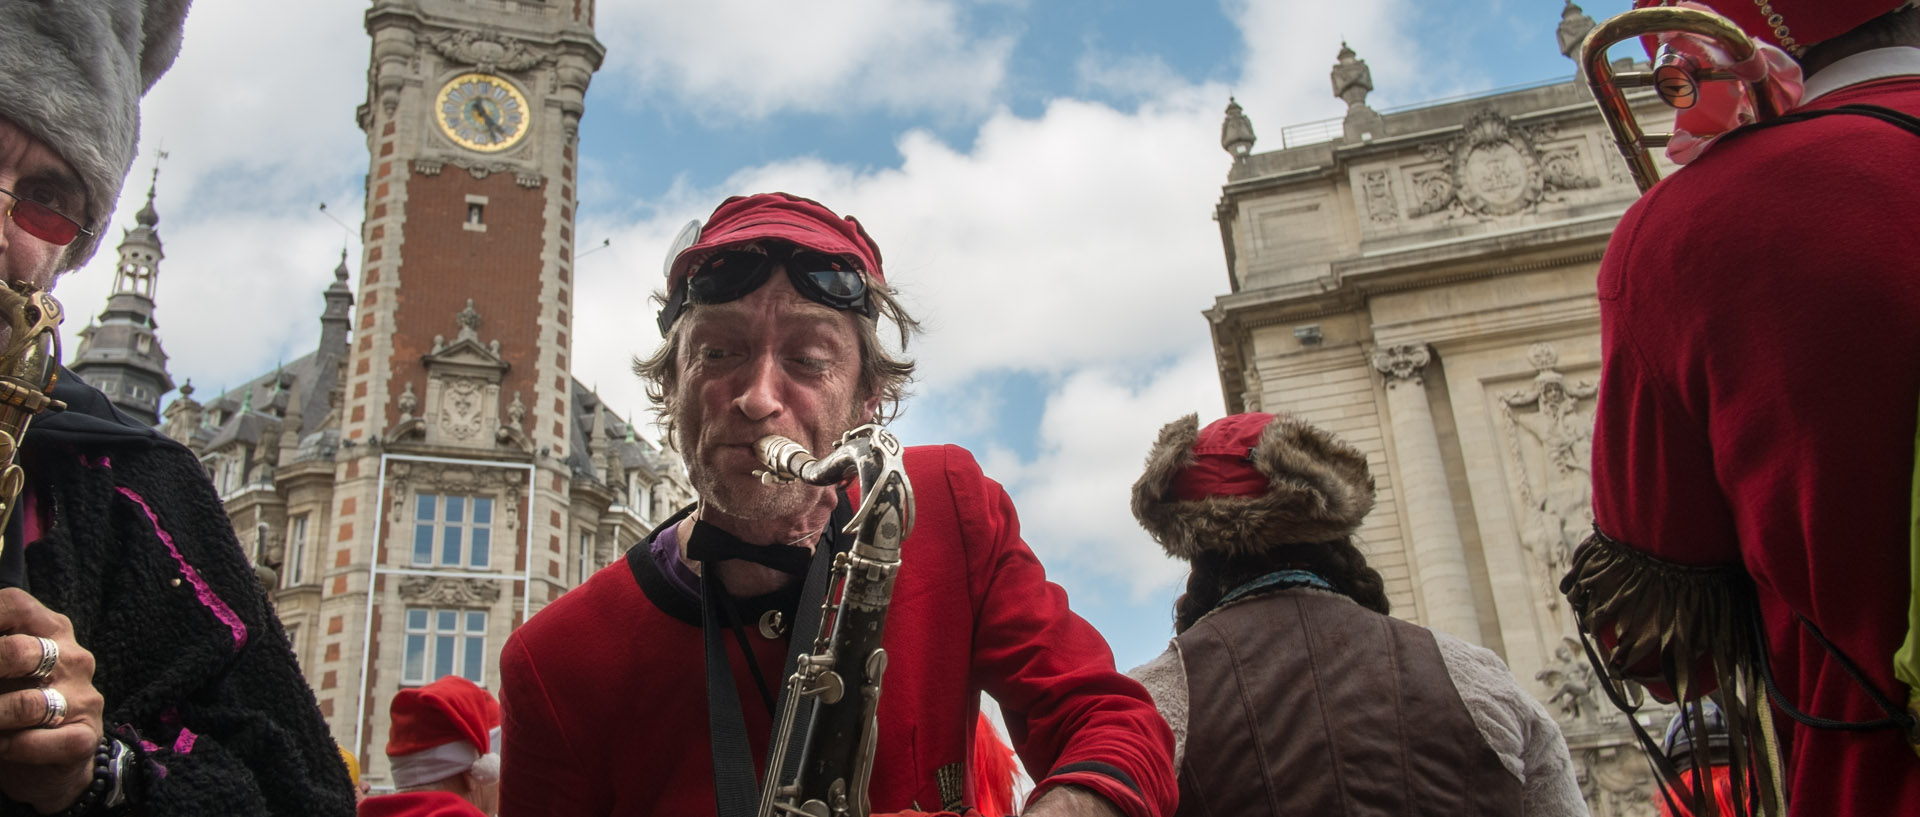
<point x="736" y="787"/>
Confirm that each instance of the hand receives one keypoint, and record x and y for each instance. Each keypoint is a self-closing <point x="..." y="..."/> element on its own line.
<point x="47" y="768"/>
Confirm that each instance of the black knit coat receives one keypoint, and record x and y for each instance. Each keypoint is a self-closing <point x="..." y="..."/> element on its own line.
<point x="195" y="668"/>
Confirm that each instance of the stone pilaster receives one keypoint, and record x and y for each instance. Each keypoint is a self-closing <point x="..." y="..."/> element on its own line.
<point x="1440" y="559"/>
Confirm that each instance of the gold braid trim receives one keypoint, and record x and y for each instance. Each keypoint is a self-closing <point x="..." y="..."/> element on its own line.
<point x="1694" y="630"/>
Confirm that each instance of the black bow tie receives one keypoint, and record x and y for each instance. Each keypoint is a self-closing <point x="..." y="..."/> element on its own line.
<point x="711" y="544"/>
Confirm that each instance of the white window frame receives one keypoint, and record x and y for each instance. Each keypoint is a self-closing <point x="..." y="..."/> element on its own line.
<point x="584" y="561"/>
<point x="431" y="512"/>
<point x="295" y="565"/>
<point x="428" y="638"/>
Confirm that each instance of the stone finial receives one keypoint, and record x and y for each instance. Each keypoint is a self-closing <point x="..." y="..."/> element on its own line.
<point x="408" y="402"/>
<point x="1574" y="25"/>
<point x="469" y="320"/>
<point x="1352" y="80"/>
<point x="340" y="272"/>
<point x="1236" y="133"/>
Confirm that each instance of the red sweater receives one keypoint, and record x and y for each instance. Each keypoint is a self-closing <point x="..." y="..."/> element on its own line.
<point x="604" y="700"/>
<point x="1760" y="315"/>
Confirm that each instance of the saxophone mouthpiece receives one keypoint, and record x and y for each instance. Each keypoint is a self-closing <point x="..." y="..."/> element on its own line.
<point x="782" y="458"/>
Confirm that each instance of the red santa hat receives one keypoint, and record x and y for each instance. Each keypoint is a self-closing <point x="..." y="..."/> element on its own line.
<point x="442" y="729"/>
<point x="1794" y="24"/>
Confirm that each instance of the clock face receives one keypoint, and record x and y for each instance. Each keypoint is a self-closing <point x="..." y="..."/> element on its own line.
<point x="482" y="112"/>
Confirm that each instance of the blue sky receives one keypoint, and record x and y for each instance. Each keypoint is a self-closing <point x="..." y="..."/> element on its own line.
<point x="1040" y="175"/>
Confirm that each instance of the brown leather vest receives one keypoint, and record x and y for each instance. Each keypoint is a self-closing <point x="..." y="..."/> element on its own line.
<point x="1302" y="702"/>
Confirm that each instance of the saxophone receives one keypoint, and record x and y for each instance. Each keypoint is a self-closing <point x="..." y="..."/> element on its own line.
<point x="830" y="775"/>
<point x="29" y="366"/>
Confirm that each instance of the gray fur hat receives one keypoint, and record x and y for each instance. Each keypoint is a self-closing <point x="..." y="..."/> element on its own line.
<point x="1249" y="482"/>
<point x="72" y="73"/>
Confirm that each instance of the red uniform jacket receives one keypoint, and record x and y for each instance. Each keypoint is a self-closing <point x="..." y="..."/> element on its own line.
<point x="604" y="699"/>
<point x="1760" y="315"/>
<point x="419" y="804"/>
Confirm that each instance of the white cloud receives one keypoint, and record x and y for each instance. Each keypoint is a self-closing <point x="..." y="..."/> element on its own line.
<point x="259" y="130"/>
<point x="1132" y="76"/>
<point x="1095" y="433"/>
<point x="1290" y="50"/>
<point x="732" y="60"/>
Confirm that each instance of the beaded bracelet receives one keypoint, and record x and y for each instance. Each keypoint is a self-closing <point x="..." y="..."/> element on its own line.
<point x="106" y="792"/>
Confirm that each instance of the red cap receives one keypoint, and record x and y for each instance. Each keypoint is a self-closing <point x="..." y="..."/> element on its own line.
<point x="450" y="710"/>
<point x="781" y="216"/>
<point x="1222" y="462"/>
<point x="1793" y="24"/>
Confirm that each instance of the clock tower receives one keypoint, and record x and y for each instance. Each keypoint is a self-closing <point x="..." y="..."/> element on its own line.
<point x="452" y="487"/>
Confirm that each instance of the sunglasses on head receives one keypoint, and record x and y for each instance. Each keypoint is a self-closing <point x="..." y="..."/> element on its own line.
<point x="729" y="275"/>
<point x="43" y="222"/>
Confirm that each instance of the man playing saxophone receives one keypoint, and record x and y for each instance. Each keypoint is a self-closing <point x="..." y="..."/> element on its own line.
<point x="142" y="669"/>
<point x="1753" y="452"/>
<point x="771" y="328"/>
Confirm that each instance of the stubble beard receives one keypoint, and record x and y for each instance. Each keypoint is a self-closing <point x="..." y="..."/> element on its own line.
<point x="742" y="496"/>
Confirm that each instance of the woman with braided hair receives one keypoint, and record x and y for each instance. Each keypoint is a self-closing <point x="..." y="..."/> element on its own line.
<point x="1288" y="687"/>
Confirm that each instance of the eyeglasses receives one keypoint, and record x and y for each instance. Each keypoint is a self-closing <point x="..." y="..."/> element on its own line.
<point x="43" y="222"/>
<point x="729" y="275"/>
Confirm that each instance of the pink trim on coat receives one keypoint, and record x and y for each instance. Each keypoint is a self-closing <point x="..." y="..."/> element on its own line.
<point x="200" y="588"/>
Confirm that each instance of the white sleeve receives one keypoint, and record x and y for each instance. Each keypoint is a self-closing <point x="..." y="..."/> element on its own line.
<point x="1165" y="677"/>
<point x="1516" y="726"/>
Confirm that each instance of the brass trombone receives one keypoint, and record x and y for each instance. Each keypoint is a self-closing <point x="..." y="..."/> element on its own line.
<point x="1675" y="77"/>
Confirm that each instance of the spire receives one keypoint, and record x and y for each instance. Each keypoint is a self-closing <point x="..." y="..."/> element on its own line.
<point x="148" y="217"/>
<point x="121" y="354"/>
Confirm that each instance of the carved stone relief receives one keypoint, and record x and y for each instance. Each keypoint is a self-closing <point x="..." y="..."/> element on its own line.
<point x="1495" y="168"/>
<point x="460" y="408"/>
<point x="1403" y="363"/>
<point x="1377" y="187"/>
<point x="478" y="168"/>
<point x="443" y="591"/>
<point x="488" y="52"/>
<point x="405" y="478"/>
<point x="463" y="386"/>
<point x="1550" y="449"/>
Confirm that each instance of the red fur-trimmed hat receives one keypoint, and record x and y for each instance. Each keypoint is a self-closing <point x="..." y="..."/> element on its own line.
<point x="443" y="729"/>
<point x="781" y="216"/>
<point x="1794" y="24"/>
<point x="1249" y="482"/>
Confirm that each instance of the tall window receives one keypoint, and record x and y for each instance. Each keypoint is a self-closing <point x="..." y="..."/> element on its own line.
<point x="445" y="642"/>
<point x="584" y="560"/>
<point x="295" y="567"/>
<point x="450" y="530"/>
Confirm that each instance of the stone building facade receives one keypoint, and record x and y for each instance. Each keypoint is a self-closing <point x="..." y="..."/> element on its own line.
<point x="432" y="474"/>
<point x="1422" y="283"/>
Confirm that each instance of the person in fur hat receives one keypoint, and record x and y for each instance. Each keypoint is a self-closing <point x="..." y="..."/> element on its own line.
<point x="1288" y="687"/>
<point x="141" y="665"/>
<point x="444" y="747"/>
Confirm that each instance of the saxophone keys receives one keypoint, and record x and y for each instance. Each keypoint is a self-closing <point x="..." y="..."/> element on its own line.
<point x="828" y="687"/>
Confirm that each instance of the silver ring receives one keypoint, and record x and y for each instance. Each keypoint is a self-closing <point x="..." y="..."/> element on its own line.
<point x="56" y="708"/>
<point x="49" y="658"/>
